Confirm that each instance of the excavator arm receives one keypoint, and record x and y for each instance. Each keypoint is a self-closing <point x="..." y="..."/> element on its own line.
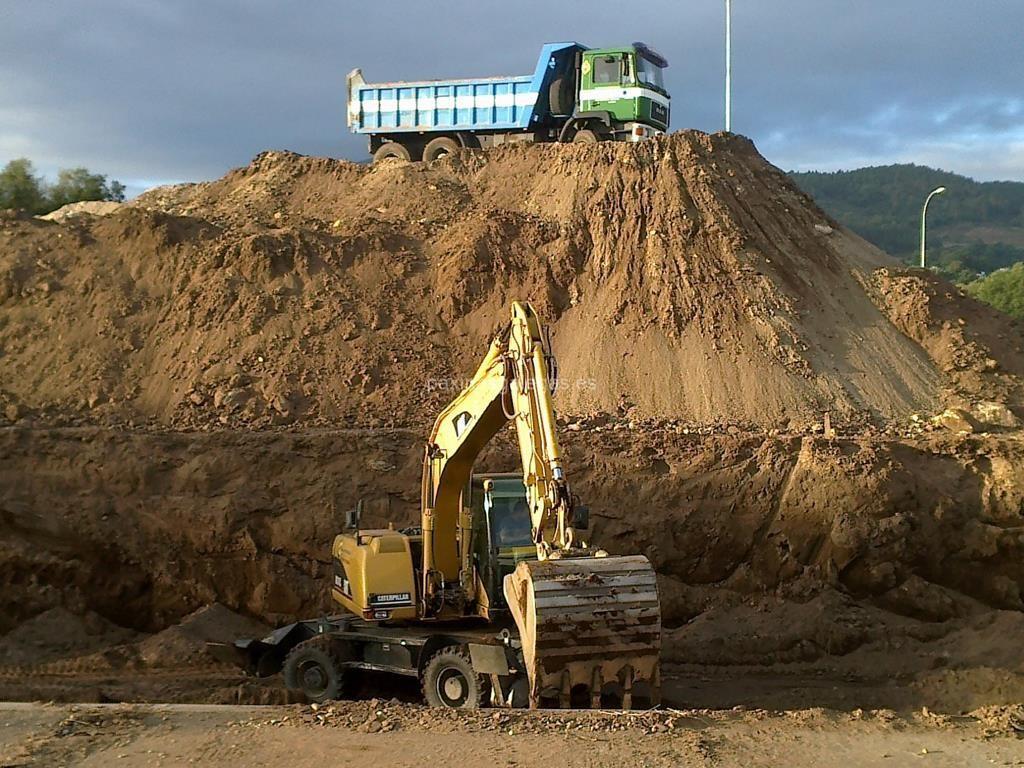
<point x="530" y="388"/>
<point x="512" y="383"/>
<point x="590" y="623"/>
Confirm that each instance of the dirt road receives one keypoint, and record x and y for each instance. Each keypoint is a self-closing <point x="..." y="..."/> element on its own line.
<point x="404" y="735"/>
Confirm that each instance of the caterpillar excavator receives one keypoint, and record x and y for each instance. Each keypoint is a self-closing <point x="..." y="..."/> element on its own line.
<point x="496" y="598"/>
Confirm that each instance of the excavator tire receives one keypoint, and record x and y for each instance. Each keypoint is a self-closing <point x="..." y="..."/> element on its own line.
<point x="449" y="680"/>
<point x="590" y="629"/>
<point x="313" y="667"/>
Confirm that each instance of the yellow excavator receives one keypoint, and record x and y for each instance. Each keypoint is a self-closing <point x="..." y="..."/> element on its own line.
<point x="496" y="598"/>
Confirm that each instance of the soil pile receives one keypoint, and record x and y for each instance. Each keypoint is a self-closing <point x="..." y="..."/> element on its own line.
<point x="57" y="634"/>
<point x="84" y="208"/>
<point x="706" y="315"/>
<point x="184" y="643"/>
<point x="684" y="278"/>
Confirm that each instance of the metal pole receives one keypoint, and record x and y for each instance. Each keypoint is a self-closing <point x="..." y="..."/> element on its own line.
<point x="728" y="66"/>
<point x="924" y="217"/>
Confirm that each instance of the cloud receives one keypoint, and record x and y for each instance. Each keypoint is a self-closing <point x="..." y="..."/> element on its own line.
<point x="149" y="90"/>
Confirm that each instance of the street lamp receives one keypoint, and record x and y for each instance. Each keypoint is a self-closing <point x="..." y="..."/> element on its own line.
<point x="728" y="66"/>
<point x="924" y="216"/>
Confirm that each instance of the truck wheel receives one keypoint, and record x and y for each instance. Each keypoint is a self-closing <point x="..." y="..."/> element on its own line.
<point x="440" y="147"/>
<point x="449" y="680"/>
<point x="586" y="136"/>
<point x="391" y="150"/>
<point x="313" y="668"/>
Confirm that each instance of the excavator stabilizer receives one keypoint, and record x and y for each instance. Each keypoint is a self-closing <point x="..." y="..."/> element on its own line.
<point x="590" y="629"/>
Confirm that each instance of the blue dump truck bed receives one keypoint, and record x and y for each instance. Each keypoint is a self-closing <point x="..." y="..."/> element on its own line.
<point x="492" y="103"/>
<point x="458" y="105"/>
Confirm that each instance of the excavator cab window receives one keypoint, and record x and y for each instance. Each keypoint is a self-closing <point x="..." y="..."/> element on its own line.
<point x="510" y="523"/>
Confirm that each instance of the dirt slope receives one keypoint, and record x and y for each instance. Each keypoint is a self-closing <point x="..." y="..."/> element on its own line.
<point x="684" y="278"/>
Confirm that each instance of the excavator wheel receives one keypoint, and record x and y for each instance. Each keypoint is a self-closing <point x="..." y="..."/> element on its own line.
<point x="449" y="680"/>
<point x="313" y="667"/>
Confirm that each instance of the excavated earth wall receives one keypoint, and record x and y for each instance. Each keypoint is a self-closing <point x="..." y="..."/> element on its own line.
<point x="144" y="528"/>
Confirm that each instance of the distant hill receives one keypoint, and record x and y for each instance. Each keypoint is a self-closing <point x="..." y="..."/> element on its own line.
<point x="975" y="227"/>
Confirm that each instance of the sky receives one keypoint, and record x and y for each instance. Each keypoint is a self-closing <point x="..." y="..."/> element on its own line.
<point x="154" y="91"/>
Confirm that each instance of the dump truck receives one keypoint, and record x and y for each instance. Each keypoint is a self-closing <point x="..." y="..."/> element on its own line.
<point x="496" y="597"/>
<point x="575" y="94"/>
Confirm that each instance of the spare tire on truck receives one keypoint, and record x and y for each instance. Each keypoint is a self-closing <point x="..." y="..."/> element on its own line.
<point x="561" y="95"/>
<point x="391" y="150"/>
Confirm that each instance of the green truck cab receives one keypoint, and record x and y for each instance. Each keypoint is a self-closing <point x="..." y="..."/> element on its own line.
<point x="628" y="85"/>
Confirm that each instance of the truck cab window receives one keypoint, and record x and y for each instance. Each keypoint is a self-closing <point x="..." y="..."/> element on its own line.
<point x="607" y="70"/>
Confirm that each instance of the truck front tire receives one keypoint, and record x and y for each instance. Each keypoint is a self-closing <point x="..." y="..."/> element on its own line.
<point x="439" y="147"/>
<point x="391" y="150"/>
<point x="449" y="680"/>
<point x="585" y="136"/>
<point x="313" y="668"/>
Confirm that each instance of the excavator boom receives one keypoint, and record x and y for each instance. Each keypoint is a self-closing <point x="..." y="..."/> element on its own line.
<point x="590" y="623"/>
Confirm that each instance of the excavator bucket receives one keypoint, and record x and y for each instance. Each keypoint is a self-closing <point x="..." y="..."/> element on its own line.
<point x="590" y="629"/>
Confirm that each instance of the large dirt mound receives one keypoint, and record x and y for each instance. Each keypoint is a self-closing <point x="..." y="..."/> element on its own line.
<point x="684" y="278"/>
<point x="692" y="290"/>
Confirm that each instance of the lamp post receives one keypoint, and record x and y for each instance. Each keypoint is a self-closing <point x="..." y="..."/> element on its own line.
<point x="924" y="217"/>
<point x="728" y="66"/>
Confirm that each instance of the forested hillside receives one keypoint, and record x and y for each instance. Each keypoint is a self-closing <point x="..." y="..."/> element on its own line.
<point x="975" y="227"/>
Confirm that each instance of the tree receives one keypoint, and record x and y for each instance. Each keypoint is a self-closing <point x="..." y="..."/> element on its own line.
<point x="21" y="188"/>
<point x="78" y="184"/>
<point x="1003" y="289"/>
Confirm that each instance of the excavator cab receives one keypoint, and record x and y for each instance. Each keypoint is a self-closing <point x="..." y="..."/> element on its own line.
<point x="501" y="536"/>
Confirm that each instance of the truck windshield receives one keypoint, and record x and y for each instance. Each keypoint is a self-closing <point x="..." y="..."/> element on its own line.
<point x="649" y="72"/>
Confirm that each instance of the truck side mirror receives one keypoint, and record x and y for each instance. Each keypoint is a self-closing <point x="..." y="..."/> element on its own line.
<point x="581" y="517"/>
<point x="353" y="516"/>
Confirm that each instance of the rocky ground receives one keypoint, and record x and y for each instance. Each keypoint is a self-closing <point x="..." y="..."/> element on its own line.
<point x="403" y="735"/>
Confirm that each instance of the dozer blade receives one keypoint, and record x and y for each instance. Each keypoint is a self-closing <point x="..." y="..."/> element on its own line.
<point x="590" y="629"/>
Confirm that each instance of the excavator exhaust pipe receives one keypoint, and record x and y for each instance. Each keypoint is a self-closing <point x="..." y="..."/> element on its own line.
<point x="590" y="629"/>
